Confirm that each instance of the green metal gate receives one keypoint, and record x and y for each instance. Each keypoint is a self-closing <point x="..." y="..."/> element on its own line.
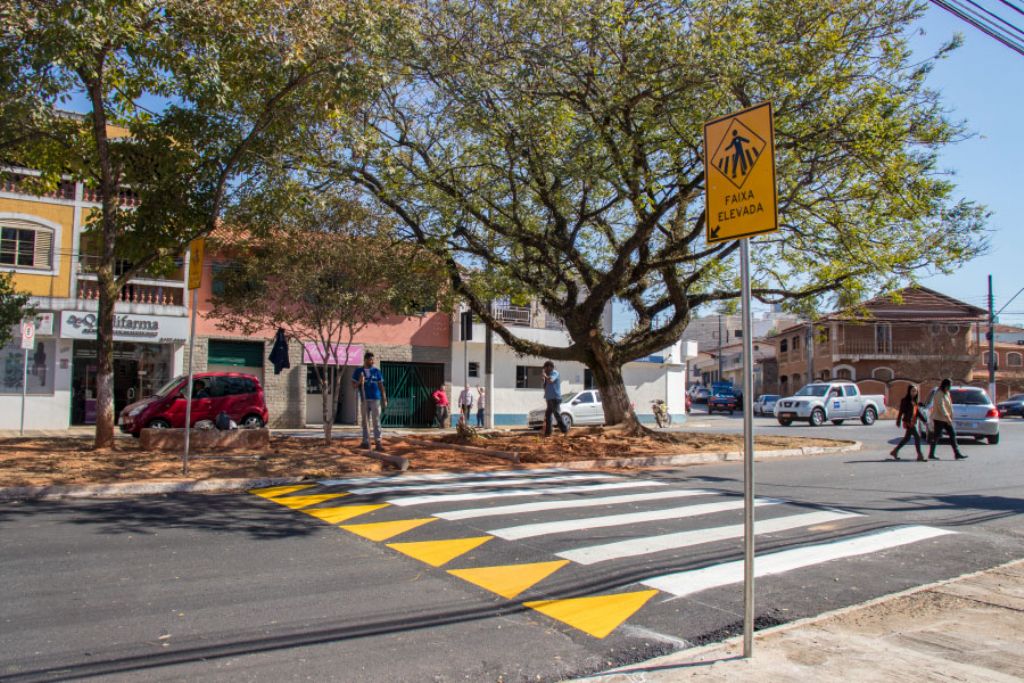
<point x="409" y="386"/>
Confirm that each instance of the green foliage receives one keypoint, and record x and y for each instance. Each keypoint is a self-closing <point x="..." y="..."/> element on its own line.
<point x="555" y="149"/>
<point x="13" y="307"/>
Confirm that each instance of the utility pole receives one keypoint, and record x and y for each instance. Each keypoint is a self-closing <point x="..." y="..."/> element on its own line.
<point x="719" y="347"/>
<point x="991" y="342"/>
<point x="810" y="352"/>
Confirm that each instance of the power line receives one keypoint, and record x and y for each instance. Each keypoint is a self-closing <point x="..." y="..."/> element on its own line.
<point x="978" y="21"/>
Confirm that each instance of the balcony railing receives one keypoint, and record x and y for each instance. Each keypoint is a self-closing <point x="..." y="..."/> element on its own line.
<point x="514" y="315"/>
<point x="87" y="263"/>
<point x="169" y="294"/>
<point x="922" y="347"/>
<point x="15" y="183"/>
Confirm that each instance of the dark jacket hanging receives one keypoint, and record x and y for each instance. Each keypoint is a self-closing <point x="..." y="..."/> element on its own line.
<point x="279" y="354"/>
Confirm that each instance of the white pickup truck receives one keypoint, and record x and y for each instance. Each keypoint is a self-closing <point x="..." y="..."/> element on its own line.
<point x="836" y="401"/>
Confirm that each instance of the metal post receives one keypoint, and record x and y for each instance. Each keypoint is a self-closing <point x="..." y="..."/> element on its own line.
<point x="24" y="391"/>
<point x="748" y="456"/>
<point x="489" y="373"/>
<point x="991" y="343"/>
<point x="188" y="396"/>
<point x="719" y="347"/>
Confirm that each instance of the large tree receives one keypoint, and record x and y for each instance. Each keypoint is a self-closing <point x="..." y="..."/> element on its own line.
<point x="553" y="150"/>
<point x="182" y="101"/>
<point x="14" y="307"/>
<point x="323" y="272"/>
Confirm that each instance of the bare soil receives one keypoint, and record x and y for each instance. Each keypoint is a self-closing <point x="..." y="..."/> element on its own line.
<point x="72" y="460"/>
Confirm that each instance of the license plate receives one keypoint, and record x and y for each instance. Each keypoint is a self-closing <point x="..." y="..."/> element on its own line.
<point x="787" y="415"/>
<point x="966" y="425"/>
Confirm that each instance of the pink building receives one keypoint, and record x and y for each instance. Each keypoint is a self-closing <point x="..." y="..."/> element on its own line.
<point x="413" y="353"/>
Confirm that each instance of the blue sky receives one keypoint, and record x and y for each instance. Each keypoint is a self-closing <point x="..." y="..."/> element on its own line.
<point x="983" y="82"/>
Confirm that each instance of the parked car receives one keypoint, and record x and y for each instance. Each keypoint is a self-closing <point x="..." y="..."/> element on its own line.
<point x="1012" y="406"/>
<point x="237" y="394"/>
<point x="974" y="415"/>
<point x="723" y="400"/>
<point x="765" y="404"/>
<point x="836" y="401"/>
<point x="583" y="408"/>
<point x="700" y="394"/>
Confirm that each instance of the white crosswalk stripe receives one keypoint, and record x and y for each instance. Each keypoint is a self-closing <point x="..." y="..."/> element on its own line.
<point x="444" y="476"/>
<point x="515" y="533"/>
<point x="681" y="584"/>
<point x="475" y="483"/>
<point x="499" y="510"/>
<point x="646" y="545"/>
<point x="512" y="493"/>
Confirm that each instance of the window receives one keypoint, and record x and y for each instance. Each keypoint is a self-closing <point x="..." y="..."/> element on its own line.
<point x="1014" y="359"/>
<point x="844" y="373"/>
<point x="796" y="343"/>
<point x="234" y="386"/>
<point x="985" y="357"/>
<point x="529" y="377"/>
<point x="585" y="397"/>
<point x="588" y="378"/>
<point x="25" y="245"/>
<point x="883" y="338"/>
<point x="40" y="366"/>
<point x="784" y="346"/>
<point x="883" y="374"/>
<point x="850" y="390"/>
<point x="474" y="369"/>
<point x="738" y="334"/>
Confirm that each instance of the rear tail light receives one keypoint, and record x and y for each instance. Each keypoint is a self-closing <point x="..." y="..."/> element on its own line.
<point x="992" y="412"/>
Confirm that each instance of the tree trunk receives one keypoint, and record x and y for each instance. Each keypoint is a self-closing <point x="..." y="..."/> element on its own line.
<point x="618" y="409"/>
<point x="328" y="394"/>
<point x="105" y="357"/>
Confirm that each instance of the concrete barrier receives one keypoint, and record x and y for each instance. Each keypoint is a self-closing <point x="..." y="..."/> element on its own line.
<point x="204" y="440"/>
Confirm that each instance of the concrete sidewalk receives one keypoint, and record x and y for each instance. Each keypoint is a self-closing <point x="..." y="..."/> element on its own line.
<point x="967" y="629"/>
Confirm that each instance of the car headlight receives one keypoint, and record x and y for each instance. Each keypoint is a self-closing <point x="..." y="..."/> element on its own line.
<point x="135" y="411"/>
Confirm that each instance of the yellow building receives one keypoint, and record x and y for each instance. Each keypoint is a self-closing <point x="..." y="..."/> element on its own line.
<point x="42" y="245"/>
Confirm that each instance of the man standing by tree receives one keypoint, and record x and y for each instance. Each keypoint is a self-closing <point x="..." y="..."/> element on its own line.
<point x="553" y="398"/>
<point x="373" y="399"/>
<point x="466" y="403"/>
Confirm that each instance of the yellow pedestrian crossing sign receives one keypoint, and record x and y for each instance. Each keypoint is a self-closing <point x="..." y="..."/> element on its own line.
<point x="739" y="174"/>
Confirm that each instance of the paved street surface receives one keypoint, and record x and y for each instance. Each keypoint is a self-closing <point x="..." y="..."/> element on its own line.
<point x="501" y="576"/>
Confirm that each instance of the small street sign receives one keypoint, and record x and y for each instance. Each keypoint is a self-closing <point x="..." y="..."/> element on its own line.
<point x="196" y="250"/>
<point x="739" y="174"/>
<point x="28" y="334"/>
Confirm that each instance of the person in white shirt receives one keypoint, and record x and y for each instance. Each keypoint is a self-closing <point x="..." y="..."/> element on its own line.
<point x="466" y="403"/>
<point x="481" y="406"/>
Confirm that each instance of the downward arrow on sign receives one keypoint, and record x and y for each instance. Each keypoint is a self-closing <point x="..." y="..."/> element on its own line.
<point x="714" y="233"/>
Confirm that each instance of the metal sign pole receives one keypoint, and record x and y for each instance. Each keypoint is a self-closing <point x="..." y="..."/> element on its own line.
<point x="24" y="391"/>
<point x="748" y="455"/>
<point x="188" y="396"/>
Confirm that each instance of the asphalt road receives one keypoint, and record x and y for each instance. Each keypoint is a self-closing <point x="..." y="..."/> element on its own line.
<point x="485" y="578"/>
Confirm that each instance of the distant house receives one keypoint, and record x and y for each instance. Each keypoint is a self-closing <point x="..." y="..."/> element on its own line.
<point x="914" y="335"/>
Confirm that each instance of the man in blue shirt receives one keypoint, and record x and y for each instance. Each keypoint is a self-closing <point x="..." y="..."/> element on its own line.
<point x="553" y="398"/>
<point x="369" y="384"/>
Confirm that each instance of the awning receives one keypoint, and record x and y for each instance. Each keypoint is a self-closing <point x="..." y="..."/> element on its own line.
<point x="313" y="353"/>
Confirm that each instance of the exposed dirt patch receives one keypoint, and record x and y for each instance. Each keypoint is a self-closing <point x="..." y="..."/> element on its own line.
<point x="72" y="460"/>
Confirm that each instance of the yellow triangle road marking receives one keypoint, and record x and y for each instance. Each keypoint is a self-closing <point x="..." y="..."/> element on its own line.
<point x="271" y="491"/>
<point x="598" y="615"/>
<point x="343" y="513"/>
<point x="382" y="531"/>
<point x="296" y="502"/>
<point x="437" y="553"/>
<point x="509" y="580"/>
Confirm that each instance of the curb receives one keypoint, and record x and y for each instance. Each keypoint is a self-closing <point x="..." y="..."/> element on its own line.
<point x="681" y="657"/>
<point x="149" y="488"/>
<point x="146" y="488"/>
<point x="701" y="458"/>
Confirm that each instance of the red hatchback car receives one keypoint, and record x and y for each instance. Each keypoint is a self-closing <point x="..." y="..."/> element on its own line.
<point x="240" y="396"/>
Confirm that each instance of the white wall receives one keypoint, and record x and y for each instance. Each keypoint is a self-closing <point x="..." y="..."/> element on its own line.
<point x="43" y="411"/>
<point x="644" y="383"/>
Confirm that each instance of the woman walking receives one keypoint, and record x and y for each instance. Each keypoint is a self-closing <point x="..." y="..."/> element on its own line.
<point x="907" y="419"/>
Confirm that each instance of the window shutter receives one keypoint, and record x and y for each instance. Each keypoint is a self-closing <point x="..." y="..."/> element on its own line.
<point x="43" y="257"/>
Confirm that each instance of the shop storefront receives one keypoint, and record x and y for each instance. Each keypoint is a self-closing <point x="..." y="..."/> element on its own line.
<point x="47" y="374"/>
<point x="147" y="353"/>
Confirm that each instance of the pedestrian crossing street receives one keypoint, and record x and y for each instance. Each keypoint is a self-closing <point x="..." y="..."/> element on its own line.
<point x="588" y="549"/>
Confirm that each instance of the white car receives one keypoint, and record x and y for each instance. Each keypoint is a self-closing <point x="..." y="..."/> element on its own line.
<point x="974" y="415"/>
<point x="836" y="401"/>
<point x="584" y="408"/>
<point x="765" y="404"/>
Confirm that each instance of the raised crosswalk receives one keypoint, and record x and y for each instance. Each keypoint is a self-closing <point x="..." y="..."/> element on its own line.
<point x="536" y="536"/>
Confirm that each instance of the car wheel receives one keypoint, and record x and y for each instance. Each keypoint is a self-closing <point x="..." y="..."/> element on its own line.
<point x="252" y="422"/>
<point x="993" y="440"/>
<point x="567" y="419"/>
<point x="869" y="416"/>
<point x="785" y="422"/>
<point x="817" y="417"/>
<point x="159" y="424"/>
<point x="837" y="422"/>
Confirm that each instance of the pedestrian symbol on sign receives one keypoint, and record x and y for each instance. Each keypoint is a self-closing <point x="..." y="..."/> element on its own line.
<point x="737" y="153"/>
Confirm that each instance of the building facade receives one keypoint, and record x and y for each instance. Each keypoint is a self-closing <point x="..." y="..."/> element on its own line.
<point x="45" y="245"/>
<point x="518" y="387"/>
